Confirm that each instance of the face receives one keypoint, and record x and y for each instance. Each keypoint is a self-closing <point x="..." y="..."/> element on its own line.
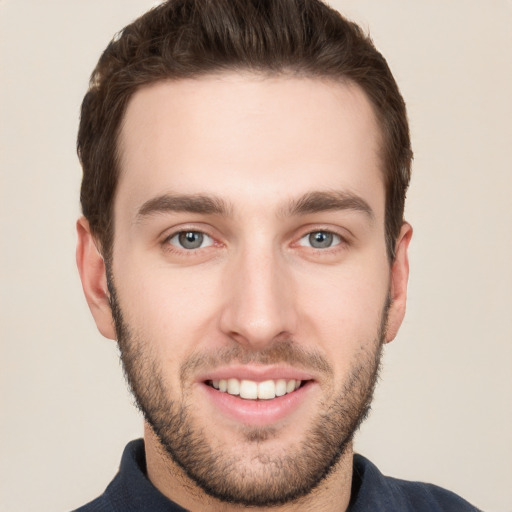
<point x="249" y="280"/>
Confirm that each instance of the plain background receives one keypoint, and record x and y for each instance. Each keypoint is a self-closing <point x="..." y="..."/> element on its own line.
<point x="443" y="410"/>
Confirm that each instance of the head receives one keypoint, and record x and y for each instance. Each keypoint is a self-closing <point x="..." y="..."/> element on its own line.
<point x="193" y="38"/>
<point x="243" y="237"/>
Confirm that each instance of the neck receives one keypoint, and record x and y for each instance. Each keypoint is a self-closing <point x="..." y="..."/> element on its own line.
<point x="331" y="495"/>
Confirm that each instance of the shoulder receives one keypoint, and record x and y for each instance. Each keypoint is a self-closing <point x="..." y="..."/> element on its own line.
<point x="98" y="505"/>
<point x="131" y="490"/>
<point x="116" y="496"/>
<point x="374" y="491"/>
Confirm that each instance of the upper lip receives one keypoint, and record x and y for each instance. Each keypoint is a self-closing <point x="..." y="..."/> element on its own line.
<point x="257" y="373"/>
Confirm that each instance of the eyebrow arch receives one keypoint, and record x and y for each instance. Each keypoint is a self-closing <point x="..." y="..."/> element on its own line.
<point x="312" y="202"/>
<point x="321" y="201"/>
<point x="193" y="203"/>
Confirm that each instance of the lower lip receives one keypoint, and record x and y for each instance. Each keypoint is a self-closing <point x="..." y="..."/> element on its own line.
<point x="257" y="412"/>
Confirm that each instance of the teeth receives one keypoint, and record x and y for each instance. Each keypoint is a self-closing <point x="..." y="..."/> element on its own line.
<point x="251" y="390"/>
<point x="281" y="387"/>
<point x="248" y="389"/>
<point x="267" y="390"/>
<point x="290" y="386"/>
<point x="233" y="386"/>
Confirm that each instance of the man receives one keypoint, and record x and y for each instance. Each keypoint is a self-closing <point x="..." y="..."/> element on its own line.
<point x="245" y="168"/>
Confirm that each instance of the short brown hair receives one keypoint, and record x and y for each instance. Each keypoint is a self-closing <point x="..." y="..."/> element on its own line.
<point x="191" y="38"/>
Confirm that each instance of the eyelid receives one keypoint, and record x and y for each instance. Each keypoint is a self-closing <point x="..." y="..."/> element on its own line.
<point x="344" y="234"/>
<point x="340" y="239"/>
<point x="170" y="233"/>
<point x="177" y="233"/>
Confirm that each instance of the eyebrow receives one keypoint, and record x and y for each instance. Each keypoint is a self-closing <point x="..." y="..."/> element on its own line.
<point x="312" y="202"/>
<point x="193" y="203"/>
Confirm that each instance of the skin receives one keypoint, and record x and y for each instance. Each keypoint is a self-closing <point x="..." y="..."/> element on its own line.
<point x="258" y="144"/>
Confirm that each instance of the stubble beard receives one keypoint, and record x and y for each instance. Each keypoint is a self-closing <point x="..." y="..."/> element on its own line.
<point x="266" y="479"/>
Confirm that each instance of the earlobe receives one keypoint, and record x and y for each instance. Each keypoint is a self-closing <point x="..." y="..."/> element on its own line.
<point x="398" y="284"/>
<point x="91" y="267"/>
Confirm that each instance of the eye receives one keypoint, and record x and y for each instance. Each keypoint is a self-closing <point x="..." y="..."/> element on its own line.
<point x="190" y="240"/>
<point x="320" y="240"/>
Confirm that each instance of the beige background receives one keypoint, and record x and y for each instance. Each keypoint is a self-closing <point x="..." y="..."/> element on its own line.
<point x="443" y="411"/>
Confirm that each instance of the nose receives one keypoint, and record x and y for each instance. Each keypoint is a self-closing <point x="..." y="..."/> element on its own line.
<point x="258" y="299"/>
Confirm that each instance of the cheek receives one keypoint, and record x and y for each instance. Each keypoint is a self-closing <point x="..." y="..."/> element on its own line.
<point x="343" y="311"/>
<point x="170" y="309"/>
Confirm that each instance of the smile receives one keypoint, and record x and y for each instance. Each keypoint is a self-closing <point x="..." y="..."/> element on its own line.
<point x="257" y="395"/>
<point x="252" y="390"/>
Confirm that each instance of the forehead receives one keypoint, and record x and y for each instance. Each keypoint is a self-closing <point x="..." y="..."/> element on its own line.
<point x="249" y="137"/>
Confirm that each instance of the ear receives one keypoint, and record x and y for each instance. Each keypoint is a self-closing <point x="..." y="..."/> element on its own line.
<point x="91" y="267"/>
<point x="398" y="285"/>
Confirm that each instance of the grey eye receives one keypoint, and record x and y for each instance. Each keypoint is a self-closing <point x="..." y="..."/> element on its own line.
<point x="320" y="240"/>
<point x="190" y="240"/>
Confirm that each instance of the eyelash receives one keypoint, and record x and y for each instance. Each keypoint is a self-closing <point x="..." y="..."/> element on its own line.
<point x="336" y="239"/>
<point x="183" y="250"/>
<point x="339" y="241"/>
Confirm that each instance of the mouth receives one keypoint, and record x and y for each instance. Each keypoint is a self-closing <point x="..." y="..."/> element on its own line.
<point x="258" y="396"/>
<point x="254" y="390"/>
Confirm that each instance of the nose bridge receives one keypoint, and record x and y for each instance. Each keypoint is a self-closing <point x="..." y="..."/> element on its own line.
<point x="259" y="305"/>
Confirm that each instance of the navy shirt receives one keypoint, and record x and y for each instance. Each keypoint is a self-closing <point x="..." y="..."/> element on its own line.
<point x="131" y="491"/>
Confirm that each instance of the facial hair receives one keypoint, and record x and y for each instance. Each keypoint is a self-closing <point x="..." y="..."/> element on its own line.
<point x="267" y="479"/>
